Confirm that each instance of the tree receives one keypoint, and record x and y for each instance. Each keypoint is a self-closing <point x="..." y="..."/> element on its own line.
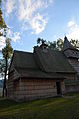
<point x="57" y="45"/>
<point x="3" y="25"/>
<point x="75" y="43"/>
<point x="6" y="51"/>
<point x="52" y="45"/>
<point x="41" y="41"/>
<point x="60" y="44"/>
<point x="7" y="54"/>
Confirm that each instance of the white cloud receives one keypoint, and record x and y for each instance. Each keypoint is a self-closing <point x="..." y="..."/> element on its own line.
<point x="73" y="30"/>
<point x="9" y="6"/>
<point x="29" y="11"/>
<point x="16" y="36"/>
<point x="27" y="8"/>
<point x="38" y="23"/>
<point x="71" y="24"/>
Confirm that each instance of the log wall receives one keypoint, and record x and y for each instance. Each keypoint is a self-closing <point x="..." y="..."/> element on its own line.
<point x="30" y="89"/>
<point x="10" y="85"/>
<point x="71" y="83"/>
<point x="13" y="75"/>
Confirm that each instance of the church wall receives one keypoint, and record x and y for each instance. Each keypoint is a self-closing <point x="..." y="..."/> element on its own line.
<point x="31" y="89"/>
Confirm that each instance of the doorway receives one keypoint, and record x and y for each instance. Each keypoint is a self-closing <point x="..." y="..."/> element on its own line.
<point x="58" y="85"/>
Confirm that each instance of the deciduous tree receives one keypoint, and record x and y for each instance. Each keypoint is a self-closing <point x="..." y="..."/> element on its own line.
<point x="7" y="54"/>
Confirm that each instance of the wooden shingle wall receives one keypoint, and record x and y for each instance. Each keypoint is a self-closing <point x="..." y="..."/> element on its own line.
<point x="75" y="64"/>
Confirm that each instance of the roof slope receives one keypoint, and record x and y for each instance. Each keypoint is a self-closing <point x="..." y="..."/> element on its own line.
<point x="38" y="74"/>
<point x="41" y="64"/>
<point x="26" y="66"/>
<point x="53" y="61"/>
<point x="24" y="60"/>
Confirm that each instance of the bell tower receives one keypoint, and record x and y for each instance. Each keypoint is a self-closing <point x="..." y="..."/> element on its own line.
<point x="72" y="54"/>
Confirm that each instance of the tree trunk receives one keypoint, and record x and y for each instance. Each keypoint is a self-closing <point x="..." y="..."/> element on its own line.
<point x="4" y="82"/>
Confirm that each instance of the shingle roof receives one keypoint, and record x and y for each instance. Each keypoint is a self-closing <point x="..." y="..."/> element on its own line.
<point x="41" y="64"/>
<point x="29" y="73"/>
<point x="53" y="61"/>
<point x="70" y="51"/>
<point x="24" y="60"/>
<point x="26" y="66"/>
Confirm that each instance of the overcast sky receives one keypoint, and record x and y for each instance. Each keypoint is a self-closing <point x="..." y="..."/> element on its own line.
<point x="48" y="19"/>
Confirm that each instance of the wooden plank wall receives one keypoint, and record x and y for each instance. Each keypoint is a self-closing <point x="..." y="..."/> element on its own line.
<point x="10" y="85"/>
<point x="71" y="83"/>
<point x="30" y="89"/>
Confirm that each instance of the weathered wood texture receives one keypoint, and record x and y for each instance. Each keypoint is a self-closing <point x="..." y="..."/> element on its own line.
<point x="10" y="84"/>
<point x="75" y="64"/>
<point x="71" y="83"/>
<point x="30" y="89"/>
<point x="71" y="53"/>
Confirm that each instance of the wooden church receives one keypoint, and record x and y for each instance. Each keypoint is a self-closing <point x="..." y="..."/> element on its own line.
<point x="43" y="73"/>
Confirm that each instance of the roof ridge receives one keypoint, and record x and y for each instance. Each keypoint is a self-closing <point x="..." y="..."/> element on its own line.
<point x="22" y="51"/>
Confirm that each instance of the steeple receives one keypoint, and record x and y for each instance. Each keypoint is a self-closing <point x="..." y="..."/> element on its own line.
<point x="67" y="44"/>
<point x="69" y="50"/>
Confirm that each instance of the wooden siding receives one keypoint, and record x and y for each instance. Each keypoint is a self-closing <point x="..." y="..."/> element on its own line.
<point x="75" y="64"/>
<point x="10" y="84"/>
<point x="71" y="83"/>
<point x="30" y="89"/>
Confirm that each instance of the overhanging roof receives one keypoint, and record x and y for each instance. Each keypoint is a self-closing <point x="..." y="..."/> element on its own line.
<point x="41" y="64"/>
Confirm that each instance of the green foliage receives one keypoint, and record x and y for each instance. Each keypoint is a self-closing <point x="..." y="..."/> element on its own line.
<point x="2" y="22"/>
<point x="75" y="43"/>
<point x="7" y="53"/>
<point x="52" y="108"/>
<point x="41" y="41"/>
<point x="52" y="45"/>
<point x="60" y="44"/>
<point x="7" y="50"/>
<point x="57" y="45"/>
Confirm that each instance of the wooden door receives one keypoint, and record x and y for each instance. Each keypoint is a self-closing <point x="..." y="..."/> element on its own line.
<point x="58" y="85"/>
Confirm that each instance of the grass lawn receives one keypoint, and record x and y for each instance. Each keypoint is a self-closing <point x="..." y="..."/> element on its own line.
<point x="52" y="108"/>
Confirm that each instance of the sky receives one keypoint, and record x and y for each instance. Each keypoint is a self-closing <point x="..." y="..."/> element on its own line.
<point x="48" y="19"/>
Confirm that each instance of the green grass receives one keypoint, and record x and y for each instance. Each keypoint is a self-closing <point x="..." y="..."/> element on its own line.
<point x="52" y="108"/>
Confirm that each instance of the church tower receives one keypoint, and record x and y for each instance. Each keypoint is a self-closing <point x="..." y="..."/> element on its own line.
<point x="72" y="54"/>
